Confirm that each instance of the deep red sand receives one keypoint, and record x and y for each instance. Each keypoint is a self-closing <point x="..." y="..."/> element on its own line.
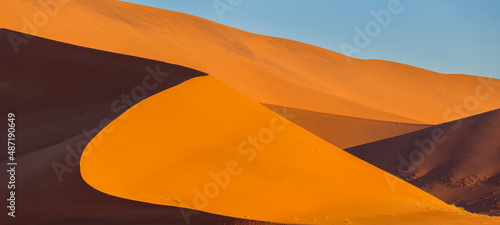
<point x="460" y="165"/>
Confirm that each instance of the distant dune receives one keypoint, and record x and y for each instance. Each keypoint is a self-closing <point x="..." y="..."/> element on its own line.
<point x="459" y="163"/>
<point x="267" y="69"/>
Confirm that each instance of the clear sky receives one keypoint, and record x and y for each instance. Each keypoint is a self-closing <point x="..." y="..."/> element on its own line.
<point x="447" y="36"/>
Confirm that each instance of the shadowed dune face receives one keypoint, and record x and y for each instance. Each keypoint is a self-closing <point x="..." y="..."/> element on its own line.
<point x="64" y="89"/>
<point x="344" y="131"/>
<point x="59" y="91"/>
<point x="456" y="162"/>
<point x="244" y="161"/>
<point x="269" y="70"/>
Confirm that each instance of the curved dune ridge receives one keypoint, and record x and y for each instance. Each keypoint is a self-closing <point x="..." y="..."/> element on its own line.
<point x="267" y="69"/>
<point x="202" y="145"/>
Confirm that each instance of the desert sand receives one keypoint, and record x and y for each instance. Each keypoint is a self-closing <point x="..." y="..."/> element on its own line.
<point x="207" y="104"/>
<point x="459" y="163"/>
<point x="61" y="91"/>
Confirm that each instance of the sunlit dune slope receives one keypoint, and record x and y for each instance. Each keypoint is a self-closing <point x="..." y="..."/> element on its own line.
<point x="456" y="162"/>
<point x="344" y="131"/>
<point x="267" y="69"/>
<point x="204" y="146"/>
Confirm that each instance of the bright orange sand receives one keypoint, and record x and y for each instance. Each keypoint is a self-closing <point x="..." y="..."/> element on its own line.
<point x="267" y="69"/>
<point x="190" y="146"/>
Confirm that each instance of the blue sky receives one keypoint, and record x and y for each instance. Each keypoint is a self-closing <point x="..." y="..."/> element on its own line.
<point x="447" y="36"/>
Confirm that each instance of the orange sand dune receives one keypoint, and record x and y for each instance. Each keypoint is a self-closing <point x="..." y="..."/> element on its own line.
<point x="267" y="69"/>
<point x="344" y="131"/>
<point x="204" y="146"/>
<point x="459" y="162"/>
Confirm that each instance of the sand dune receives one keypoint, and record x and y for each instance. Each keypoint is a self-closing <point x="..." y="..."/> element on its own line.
<point x="220" y="152"/>
<point x="344" y="131"/>
<point x="459" y="163"/>
<point x="267" y="69"/>
<point x="61" y="91"/>
<point x="50" y="91"/>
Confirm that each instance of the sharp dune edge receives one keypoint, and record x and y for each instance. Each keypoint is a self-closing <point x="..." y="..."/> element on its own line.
<point x="201" y="156"/>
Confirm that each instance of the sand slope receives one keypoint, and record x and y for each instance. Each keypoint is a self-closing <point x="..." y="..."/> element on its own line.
<point x="202" y="145"/>
<point x="269" y="70"/>
<point x="344" y="131"/>
<point x="460" y="164"/>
